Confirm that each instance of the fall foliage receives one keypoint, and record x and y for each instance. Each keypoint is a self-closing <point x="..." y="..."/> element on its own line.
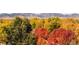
<point x="39" y="31"/>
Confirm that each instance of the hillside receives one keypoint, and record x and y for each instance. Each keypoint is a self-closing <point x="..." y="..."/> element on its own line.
<point x="39" y="15"/>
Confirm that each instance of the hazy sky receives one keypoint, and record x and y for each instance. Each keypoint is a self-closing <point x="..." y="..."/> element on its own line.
<point x="39" y="6"/>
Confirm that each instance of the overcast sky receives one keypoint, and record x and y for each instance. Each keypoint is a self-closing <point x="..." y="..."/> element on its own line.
<point x="39" y="6"/>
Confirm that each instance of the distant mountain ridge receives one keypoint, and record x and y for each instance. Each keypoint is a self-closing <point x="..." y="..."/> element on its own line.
<point x="39" y="15"/>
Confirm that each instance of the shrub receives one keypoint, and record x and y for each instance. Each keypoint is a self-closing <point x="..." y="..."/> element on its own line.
<point x="19" y="32"/>
<point x="60" y="36"/>
<point x="41" y="32"/>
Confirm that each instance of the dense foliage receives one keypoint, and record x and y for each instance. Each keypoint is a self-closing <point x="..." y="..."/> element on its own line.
<point x="39" y="31"/>
<point x="60" y="36"/>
